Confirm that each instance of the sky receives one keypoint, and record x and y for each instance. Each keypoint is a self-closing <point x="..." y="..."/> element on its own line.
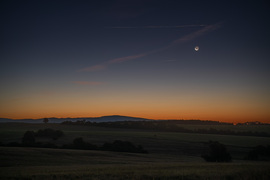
<point x="135" y="58"/>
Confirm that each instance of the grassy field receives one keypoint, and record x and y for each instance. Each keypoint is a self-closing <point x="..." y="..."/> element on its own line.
<point x="171" y="155"/>
<point x="154" y="142"/>
<point x="38" y="163"/>
<point x="238" y="128"/>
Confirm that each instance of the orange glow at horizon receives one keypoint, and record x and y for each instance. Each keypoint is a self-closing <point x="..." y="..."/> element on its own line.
<point x="146" y="104"/>
<point x="224" y="115"/>
<point x="231" y="119"/>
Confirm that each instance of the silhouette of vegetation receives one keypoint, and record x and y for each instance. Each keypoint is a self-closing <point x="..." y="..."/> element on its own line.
<point x="123" y="146"/>
<point x="252" y="123"/>
<point x="49" y="133"/>
<point x="79" y="143"/>
<point x="29" y="138"/>
<point x="170" y="126"/>
<point x="13" y="144"/>
<point x="259" y="153"/>
<point x="45" y="120"/>
<point x="217" y="153"/>
<point x="46" y="145"/>
<point x="117" y="146"/>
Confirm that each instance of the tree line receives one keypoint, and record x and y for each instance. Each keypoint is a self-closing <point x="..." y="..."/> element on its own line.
<point x="259" y="153"/>
<point x="169" y="126"/>
<point x="117" y="146"/>
<point x="29" y="140"/>
<point x="217" y="152"/>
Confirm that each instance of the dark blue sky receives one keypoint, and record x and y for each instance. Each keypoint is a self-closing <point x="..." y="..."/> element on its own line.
<point x="91" y="58"/>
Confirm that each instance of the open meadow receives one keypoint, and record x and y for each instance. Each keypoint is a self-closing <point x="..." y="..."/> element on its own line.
<point x="172" y="155"/>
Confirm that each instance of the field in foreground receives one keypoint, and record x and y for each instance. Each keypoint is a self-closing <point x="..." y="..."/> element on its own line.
<point x="171" y="155"/>
<point x="38" y="163"/>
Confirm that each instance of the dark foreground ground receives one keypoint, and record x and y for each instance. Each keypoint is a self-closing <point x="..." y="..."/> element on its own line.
<point x="171" y="155"/>
<point x="38" y="163"/>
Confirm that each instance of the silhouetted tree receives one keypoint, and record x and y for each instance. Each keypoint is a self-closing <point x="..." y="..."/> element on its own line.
<point x="45" y="120"/>
<point x="29" y="138"/>
<point x="49" y="133"/>
<point x="123" y="146"/>
<point x="79" y="143"/>
<point x="217" y="153"/>
<point x="259" y="153"/>
<point x="13" y="144"/>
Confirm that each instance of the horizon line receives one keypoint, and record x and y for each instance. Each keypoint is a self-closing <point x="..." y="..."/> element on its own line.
<point x="133" y="117"/>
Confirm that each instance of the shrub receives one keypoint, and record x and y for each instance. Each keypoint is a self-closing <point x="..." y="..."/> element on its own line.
<point x="123" y="146"/>
<point x="48" y="145"/>
<point x="49" y="133"/>
<point x="13" y="144"/>
<point x="29" y="138"/>
<point x="217" y="153"/>
<point x="259" y="153"/>
<point x="79" y="143"/>
<point x="45" y="120"/>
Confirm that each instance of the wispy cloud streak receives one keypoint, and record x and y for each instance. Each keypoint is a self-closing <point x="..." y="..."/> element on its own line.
<point x="112" y="61"/>
<point x="157" y="27"/>
<point x="93" y="68"/>
<point x="181" y="40"/>
<point x="196" y="34"/>
<point x="126" y="58"/>
<point x="91" y="83"/>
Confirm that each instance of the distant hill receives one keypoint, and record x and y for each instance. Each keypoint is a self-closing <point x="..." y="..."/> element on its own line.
<point x="116" y="118"/>
<point x="5" y="120"/>
<point x="113" y="118"/>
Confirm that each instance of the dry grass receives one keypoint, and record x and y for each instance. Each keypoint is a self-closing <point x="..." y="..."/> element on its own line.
<point x="172" y="156"/>
<point x="32" y="163"/>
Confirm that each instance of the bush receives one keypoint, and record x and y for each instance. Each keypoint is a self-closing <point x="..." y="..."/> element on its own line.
<point x="217" y="153"/>
<point x="13" y="144"/>
<point x="49" y="133"/>
<point x="29" y="138"/>
<point x="259" y="153"/>
<point x="123" y="146"/>
<point x="47" y="145"/>
<point x="79" y="143"/>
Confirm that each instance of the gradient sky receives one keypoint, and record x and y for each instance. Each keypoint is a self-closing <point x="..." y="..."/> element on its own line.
<point x="136" y="58"/>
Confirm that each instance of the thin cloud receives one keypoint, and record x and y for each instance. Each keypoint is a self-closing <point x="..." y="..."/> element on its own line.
<point x="112" y="61"/>
<point x="115" y="61"/>
<point x="181" y="40"/>
<point x="196" y="34"/>
<point x="127" y="58"/>
<point x="157" y="27"/>
<point x="91" y="83"/>
<point x="94" y="68"/>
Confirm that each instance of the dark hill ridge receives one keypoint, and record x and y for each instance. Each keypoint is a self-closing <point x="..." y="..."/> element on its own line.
<point x="117" y="118"/>
<point x="113" y="118"/>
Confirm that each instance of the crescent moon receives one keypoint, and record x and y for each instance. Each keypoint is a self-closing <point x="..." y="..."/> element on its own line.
<point x="196" y="48"/>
